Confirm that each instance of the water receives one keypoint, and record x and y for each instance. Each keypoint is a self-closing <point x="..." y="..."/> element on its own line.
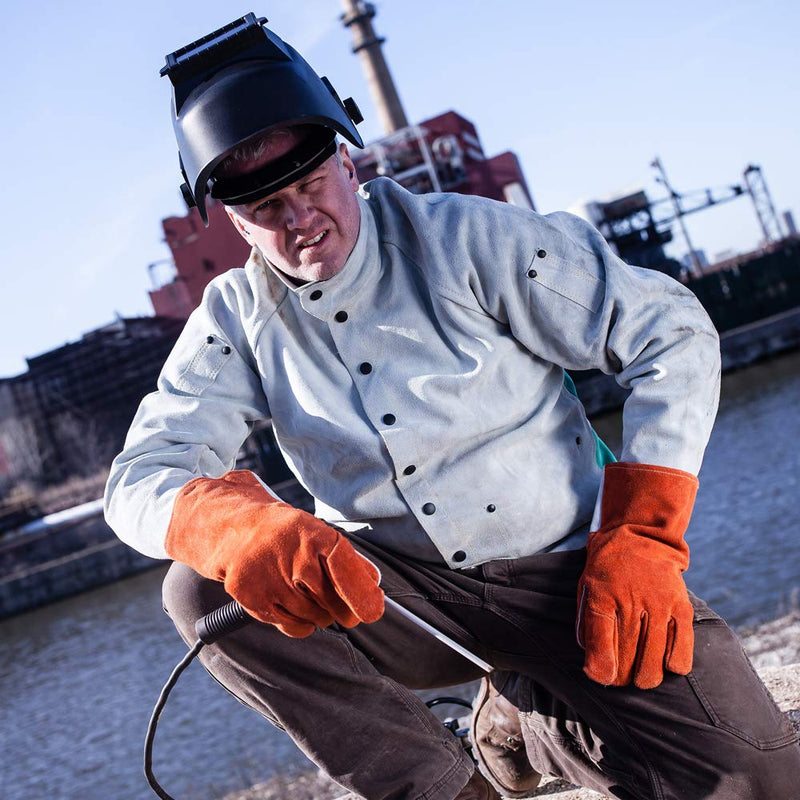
<point x="78" y="679"/>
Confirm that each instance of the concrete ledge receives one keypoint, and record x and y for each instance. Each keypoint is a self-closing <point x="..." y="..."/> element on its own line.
<point x="767" y="337"/>
<point x="96" y="565"/>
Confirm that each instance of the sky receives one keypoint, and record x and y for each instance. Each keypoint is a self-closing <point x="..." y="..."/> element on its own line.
<point x="585" y="93"/>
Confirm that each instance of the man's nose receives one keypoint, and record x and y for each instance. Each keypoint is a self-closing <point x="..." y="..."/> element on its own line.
<point x="298" y="213"/>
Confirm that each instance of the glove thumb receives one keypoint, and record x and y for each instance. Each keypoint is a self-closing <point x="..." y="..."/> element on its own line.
<point x="356" y="580"/>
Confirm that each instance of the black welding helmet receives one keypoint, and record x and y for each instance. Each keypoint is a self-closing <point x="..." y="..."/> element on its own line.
<point x="241" y="81"/>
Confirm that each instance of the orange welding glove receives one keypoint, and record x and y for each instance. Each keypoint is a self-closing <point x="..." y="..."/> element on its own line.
<point x="634" y="614"/>
<point x="282" y="564"/>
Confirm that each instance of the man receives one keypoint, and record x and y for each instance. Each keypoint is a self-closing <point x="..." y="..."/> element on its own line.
<point x="410" y="351"/>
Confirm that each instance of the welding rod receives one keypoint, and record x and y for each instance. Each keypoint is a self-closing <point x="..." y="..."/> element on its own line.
<point x="439" y="635"/>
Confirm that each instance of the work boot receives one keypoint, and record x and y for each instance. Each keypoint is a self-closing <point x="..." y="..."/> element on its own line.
<point x="478" y="788"/>
<point x="497" y="741"/>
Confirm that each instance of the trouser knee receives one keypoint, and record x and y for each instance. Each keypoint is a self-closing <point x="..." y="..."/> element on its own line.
<point x="187" y="596"/>
<point x="768" y="773"/>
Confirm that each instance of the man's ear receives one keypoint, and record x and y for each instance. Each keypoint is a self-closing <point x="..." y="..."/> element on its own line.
<point x="238" y="223"/>
<point x="349" y="167"/>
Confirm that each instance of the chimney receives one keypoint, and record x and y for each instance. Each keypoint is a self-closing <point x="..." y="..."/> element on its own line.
<point x="358" y="16"/>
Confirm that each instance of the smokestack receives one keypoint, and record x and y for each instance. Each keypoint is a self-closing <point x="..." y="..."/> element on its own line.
<point x="358" y="17"/>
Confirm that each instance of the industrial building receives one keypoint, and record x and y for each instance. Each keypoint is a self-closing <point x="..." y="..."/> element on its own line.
<point x="66" y="415"/>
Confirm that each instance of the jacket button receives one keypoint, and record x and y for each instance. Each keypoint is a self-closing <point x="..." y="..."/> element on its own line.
<point x="491" y="508"/>
<point x="429" y="508"/>
<point x="409" y="470"/>
<point x="315" y="295"/>
<point x="541" y="253"/>
<point x="341" y="316"/>
<point x="389" y="419"/>
<point x="226" y="350"/>
<point x="209" y="339"/>
<point x="365" y="368"/>
<point x="532" y="273"/>
<point x="459" y="555"/>
<point x="578" y="440"/>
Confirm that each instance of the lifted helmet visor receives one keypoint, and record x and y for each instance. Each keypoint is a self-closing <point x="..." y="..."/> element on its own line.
<point x="239" y="82"/>
<point x="298" y="162"/>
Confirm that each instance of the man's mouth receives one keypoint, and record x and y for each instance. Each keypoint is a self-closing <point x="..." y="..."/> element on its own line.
<point x="311" y="242"/>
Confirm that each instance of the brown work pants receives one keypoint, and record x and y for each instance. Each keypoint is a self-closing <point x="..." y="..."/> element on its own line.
<point x="344" y="695"/>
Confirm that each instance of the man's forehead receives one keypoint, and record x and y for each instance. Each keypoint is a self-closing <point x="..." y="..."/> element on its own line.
<point x="264" y="149"/>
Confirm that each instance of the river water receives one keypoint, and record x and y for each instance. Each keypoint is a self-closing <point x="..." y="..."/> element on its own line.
<point x="78" y="679"/>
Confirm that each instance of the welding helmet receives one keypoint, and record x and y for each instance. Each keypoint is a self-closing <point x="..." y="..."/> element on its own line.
<point x="236" y="83"/>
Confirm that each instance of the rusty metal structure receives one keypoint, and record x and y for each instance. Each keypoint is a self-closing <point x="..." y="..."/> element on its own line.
<point x="762" y="202"/>
<point x="444" y="154"/>
<point x="638" y="228"/>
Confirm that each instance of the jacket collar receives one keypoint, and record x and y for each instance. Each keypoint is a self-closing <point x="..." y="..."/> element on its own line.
<point x="322" y="299"/>
<point x="361" y="270"/>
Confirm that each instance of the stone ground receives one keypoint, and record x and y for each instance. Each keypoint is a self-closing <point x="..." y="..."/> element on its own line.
<point x="774" y="649"/>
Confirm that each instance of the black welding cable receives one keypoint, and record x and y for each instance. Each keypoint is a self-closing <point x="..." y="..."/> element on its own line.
<point x="213" y="626"/>
<point x="159" y="707"/>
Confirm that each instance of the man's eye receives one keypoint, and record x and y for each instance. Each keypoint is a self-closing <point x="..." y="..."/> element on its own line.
<point x="265" y="205"/>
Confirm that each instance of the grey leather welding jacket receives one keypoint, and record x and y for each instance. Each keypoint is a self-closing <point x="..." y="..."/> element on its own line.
<point x="421" y="390"/>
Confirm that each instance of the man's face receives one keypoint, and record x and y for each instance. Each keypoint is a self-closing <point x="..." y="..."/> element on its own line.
<point x="307" y="229"/>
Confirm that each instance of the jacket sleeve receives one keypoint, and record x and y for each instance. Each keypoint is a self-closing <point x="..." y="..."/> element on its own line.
<point x="208" y="396"/>
<point x="571" y="301"/>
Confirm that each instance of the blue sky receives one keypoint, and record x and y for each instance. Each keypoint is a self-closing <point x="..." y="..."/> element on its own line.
<point x="585" y="93"/>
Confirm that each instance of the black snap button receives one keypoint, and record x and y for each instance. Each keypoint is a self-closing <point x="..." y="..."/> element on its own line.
<point x="459" y="555"/>
<point x="541" y="253"/>
<point x="578" y="440"/>
<point x="491" y="508"/>
<point x="409" y="470"/>
<point x="209" y="339"/>
<point x="365" y="368"/>
<point x="315" y="295"/>
<point x="429" y="508"/>
<point x="389" y="419"/>
<point x="341" y="316"/>
<point x="532" y="273"/>
<point x="226" y="349"/>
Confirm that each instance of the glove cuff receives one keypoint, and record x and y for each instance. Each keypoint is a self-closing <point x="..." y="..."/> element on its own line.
<point x="650" y="500"/>
<point x="200" y="531"/>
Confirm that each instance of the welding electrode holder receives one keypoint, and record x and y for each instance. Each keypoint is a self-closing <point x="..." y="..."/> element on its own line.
<point x="221" y="622"/>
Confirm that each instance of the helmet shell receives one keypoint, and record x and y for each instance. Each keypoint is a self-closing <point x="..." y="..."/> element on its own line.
<point x="222" y="100"/>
